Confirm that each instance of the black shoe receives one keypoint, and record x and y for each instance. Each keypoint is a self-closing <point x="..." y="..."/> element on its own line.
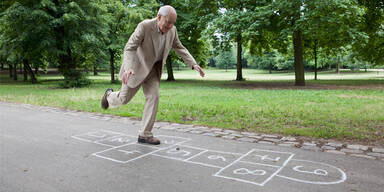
<point x="149" y="140"/>
<point x="104" y="101"/>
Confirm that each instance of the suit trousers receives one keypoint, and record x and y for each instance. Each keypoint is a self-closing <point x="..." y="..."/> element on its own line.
<point x="151" y="92"/>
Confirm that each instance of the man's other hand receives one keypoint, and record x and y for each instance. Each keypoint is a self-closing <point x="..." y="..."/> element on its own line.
<point x="198" y="68"/>
<point x="127" y="74"/>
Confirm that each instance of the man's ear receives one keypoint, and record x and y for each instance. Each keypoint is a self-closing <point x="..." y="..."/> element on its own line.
<point x="158" y="17"/>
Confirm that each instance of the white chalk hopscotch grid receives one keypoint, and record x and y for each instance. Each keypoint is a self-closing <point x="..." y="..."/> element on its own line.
<point x="256" y="167"/>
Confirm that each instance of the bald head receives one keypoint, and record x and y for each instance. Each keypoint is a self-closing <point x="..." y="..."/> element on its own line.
<point x="166" y="9"/>
<point x="166" y="18"/>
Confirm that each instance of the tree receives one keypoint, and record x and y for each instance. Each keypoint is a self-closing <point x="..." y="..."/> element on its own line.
<point x="225" y="59"/>
<point x="193" y="17"/>
<point x="76" y="27"/>
<point x="230" y="25"/>
<point x="323" y="23"/>
<point x="330" y="32"/>
<point x="121" y="19"/>
<point x="21" y="37"/>
<point x="371" y="48"/>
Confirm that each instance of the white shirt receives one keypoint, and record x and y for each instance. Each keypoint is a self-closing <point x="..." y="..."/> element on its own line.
<point x="161" y="45"/>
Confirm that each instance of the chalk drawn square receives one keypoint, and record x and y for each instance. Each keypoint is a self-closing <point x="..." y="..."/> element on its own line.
<point x="274" y="158"/>
<point x="252" y="173"/>
<point x="126" y="153"/>
<point x="95" y="135"/>
<point x="215" y="158"/>
<point x="117" y="140"/>
<point x="312" y="172"/>
<point x="178" y="152"/>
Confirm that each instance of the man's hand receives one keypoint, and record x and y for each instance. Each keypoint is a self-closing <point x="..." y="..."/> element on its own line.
<point x="198" y="68"/>
<point x="127" y="74"/>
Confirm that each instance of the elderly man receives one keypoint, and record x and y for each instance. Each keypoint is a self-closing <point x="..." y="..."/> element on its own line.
<point x="144" y="55"/>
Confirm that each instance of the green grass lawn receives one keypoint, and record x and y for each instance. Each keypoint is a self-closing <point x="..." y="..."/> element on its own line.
<point x="333" y="107"/>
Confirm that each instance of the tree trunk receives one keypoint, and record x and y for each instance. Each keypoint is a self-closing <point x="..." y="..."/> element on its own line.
<point x="36" y="70"/>
<point x="10" y="70"/>
<point x="270" y="67"/>
<point x="95" y="70"/>
<point x="239" y="76"/>
<point x="28" y="69"/>
<point x="68" y="64"/>
<point x="2" y="66"/>
<point x="337" y="65"/>
<point x="315" y="53"/>
<point x="169" y="69"/>
<point x="25" y="74"/>
<point x="298" y="54"/>
<point x="15" y="72"/>
<point x="112" y="65"/>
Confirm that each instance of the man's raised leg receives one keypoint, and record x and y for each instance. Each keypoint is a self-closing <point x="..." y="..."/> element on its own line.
<point x="121" y="97"/>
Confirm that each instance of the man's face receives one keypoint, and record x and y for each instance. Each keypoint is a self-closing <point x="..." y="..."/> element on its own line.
<point x="166" y="22"/>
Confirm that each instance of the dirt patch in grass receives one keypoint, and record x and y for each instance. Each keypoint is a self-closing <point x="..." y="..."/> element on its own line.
<point x="290" y="85"/>
<point x="360" y="96"/>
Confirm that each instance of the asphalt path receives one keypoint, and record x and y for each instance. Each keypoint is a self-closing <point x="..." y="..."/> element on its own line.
<point x="48" y="151"/>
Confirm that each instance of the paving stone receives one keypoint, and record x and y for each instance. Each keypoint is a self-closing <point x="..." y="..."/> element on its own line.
<point x="216" y="129"/>
<point x="288" y="139"/>
<point x="236" y="135"/>
<point x="286" y="145"/>
<point x="266" y="142"/>
<point x="185" y="127"/>
<point x="376" y="154"/>
<point x="200" y="128"/>
<point x="255" y="137"/>
<point x="335" y="152"/>
<point x="378" y="150"/>
<point x="351" y="151"/>
<point x="357" y="147"/>
<point x="182" y="130"/>
<point x="309" y="144"/>
<point x="292" y="143"/>
<point x="272" y="140"/>
<point x="311" y="148"/>
<point x="167" y="127"/>
<point x="325" y="147"/>
<point x="364" y="156"/>
<point x="162" y="123"/>
<point x="203" y="129"/>
<point x="228" y="137"/>
<point x="270" y="136"/>
<point x="211" y="134"/>
<point x="221" y="133"/>
<point x="196" y="132"/>
<point x="178" y="126"/>
<point x="335" y="144"/>
<point x="245" y="139"/>
<point x="248" y="133"/>
<point x="230" y="131"/>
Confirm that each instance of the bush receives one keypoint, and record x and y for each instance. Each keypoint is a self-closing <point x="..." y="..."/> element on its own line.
<point x="74" y="78"/>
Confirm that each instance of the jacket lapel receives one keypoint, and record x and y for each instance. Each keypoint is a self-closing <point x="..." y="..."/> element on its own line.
<point x="155" y="37"/>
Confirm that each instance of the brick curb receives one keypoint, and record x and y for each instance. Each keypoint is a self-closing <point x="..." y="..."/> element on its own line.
<point x="349" y="149"/>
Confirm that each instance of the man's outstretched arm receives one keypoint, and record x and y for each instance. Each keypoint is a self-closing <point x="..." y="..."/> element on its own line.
<point x="185" y="55"/>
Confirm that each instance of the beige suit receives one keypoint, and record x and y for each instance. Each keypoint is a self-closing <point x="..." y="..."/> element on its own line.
<point x="140" y="55"/>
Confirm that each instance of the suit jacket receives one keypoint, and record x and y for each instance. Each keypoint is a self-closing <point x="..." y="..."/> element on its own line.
<point x="141" y="51"/>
